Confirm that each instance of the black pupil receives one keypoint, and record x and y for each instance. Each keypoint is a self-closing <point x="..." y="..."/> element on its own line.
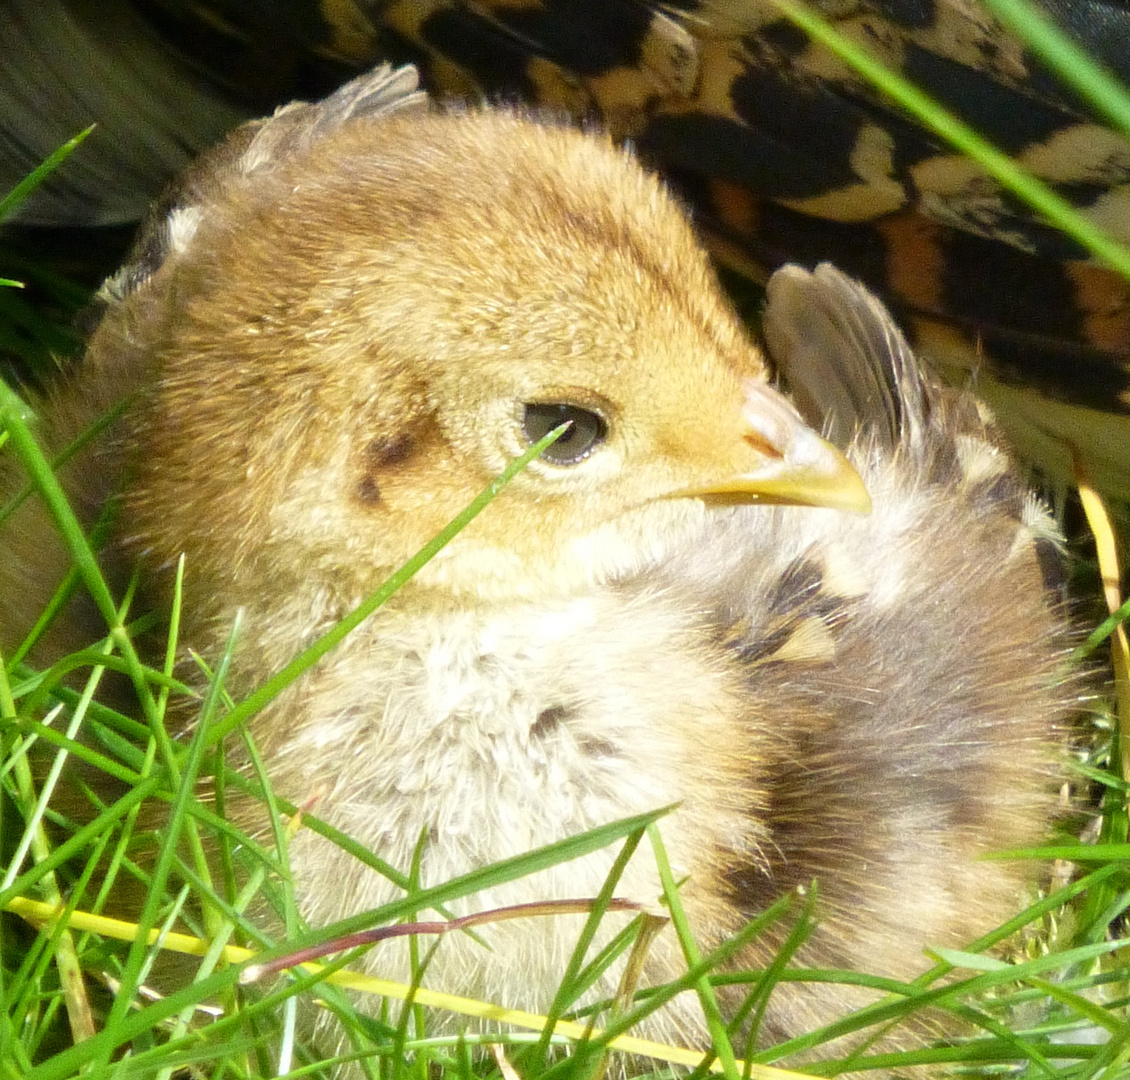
<point x="586" y="430"/>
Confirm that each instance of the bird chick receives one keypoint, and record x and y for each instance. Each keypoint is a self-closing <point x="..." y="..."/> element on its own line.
<point x="342" y="325"/>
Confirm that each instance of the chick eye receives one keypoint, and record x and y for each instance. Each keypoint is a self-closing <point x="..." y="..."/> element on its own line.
<point x="586" y="432"/>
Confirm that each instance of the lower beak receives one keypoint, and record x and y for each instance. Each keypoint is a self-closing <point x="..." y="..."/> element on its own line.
<point x="798" y="467"/>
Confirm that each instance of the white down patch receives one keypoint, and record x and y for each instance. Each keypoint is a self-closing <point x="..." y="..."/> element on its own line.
<point x="492" y="735"/>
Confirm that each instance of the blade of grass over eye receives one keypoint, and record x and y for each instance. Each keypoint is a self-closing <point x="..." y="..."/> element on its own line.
<point x="309" y="657"/>
<point x="1070" y="61"/>
<point x="996" y="163"/>
<point x="36" y="177"/>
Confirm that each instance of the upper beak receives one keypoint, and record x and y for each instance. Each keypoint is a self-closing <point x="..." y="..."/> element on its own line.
<point x="799" y="467"/>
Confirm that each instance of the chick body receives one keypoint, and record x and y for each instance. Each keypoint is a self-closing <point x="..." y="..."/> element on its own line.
<point x="337" y="324"/>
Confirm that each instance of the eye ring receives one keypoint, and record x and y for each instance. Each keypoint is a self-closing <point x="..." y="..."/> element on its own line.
<point x="586" y="432"/>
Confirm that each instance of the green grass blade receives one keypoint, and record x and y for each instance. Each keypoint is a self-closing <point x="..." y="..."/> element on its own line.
<point x="36" y="177"/>
<point x="309" y="657"/>
<point x="996" y="163"/>
<point x="1067" y="59"/>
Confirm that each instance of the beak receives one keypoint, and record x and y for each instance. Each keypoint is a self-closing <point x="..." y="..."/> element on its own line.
<point x="799" y="469"/>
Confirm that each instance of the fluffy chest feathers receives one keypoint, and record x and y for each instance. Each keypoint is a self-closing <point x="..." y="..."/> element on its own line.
<point x="507" y="726"/>
<point x="491" y="734"/>
<point x="510" y="725"/>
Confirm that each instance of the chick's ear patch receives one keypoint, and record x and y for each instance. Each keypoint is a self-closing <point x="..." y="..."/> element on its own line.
<point x="389" y="462"/>
<point x="388" y="451"/>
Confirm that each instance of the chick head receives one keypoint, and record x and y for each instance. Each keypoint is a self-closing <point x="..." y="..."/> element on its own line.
<point x="345" y="345"/>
